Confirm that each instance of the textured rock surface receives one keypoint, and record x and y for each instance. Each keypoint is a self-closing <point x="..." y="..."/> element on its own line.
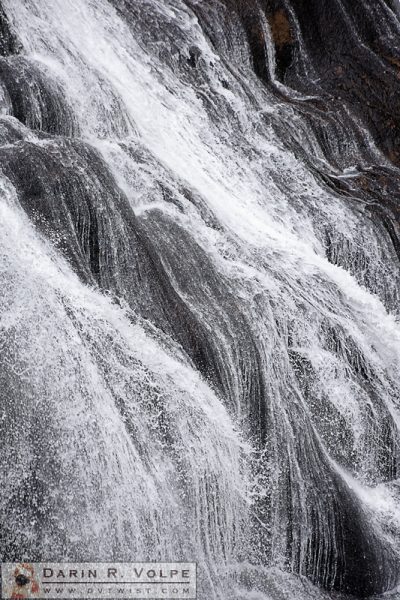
<point x="199" y="289"/>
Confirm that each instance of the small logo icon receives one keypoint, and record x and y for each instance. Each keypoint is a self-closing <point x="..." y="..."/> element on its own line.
<point x="25" y="582"/>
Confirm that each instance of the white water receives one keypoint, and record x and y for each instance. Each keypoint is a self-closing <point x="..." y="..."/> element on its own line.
<point x="77" y="352"/>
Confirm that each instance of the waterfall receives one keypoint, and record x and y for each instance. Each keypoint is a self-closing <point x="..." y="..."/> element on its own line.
<point x="199" y="291"/>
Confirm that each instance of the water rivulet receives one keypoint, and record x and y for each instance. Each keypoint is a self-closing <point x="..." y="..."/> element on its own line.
<point x="200" y="344"/>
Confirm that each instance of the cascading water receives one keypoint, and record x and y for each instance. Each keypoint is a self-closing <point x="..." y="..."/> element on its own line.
<point x="200" y="344"/>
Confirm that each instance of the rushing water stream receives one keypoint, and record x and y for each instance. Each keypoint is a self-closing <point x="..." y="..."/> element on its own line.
<point x="199" y="291"/>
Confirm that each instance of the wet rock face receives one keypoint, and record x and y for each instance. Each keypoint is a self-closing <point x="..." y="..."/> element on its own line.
<point x="342" y="60"/>
<point x="8" y="41"/>
<point x="339" y="66"/>
<point x="339" y="59"/>
<point x="332" y="65"/>
<point x="346" y="52"/>
<point x="283" y="38"/>
<point x="34" y="98"/>
<point x="353" y="48"/>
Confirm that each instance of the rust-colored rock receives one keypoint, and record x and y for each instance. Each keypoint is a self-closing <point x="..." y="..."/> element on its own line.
<point x="280" y="28"/>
